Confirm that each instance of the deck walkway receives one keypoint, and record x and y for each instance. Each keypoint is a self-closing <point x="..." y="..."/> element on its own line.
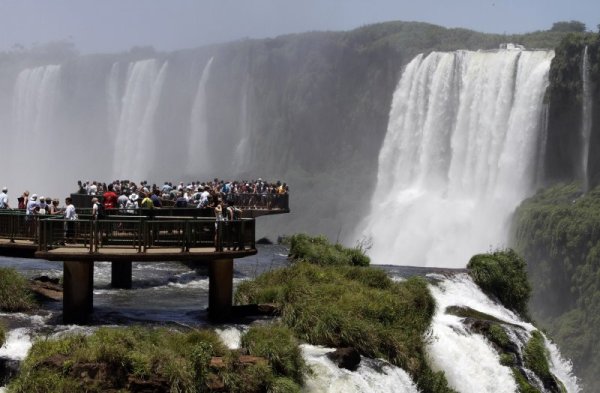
<point x="162" y="235"/>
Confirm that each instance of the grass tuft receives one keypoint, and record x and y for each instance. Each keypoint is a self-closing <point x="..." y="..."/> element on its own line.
<point x="14" y="291"/>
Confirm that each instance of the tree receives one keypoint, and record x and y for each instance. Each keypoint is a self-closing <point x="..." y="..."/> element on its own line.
<point x="573" y="26"/>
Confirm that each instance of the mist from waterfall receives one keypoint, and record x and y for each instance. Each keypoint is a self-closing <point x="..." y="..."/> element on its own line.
<point x="134" y="144"/>
<point x="35" y="105"/>
<point x="586" y="118"/>
<point x="459" y="155"/>
<point x="198" y="143"/>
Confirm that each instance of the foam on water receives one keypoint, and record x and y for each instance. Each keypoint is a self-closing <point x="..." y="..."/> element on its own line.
<point x="17" y="345"/>
<point x="231" y="336"/>
<point x="371" y="376"/>
<point x="469" y="361"/>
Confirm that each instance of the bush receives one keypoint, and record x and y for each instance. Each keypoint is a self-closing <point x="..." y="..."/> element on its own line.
<point x="319" y="251"/>
<point x="115" y="359"/>
<point x="502" y="274"/>
<point x="278" y="344"/>
<point x="14" y="291"/>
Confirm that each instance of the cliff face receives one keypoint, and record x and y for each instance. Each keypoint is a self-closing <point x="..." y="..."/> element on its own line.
<point x="556" y="231"/>
<point x="565" y="99"/>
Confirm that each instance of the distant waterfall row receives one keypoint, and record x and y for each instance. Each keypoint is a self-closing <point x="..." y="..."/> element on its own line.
<point x="460" y="153"/>
<point x="106" y="120"/>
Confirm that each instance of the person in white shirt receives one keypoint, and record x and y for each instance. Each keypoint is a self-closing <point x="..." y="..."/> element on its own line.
<point x="70" y="217"/>
<point x="4" y="199"/>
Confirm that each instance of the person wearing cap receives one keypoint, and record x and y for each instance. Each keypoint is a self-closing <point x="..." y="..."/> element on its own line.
<point x="132" y="203"/>
<point x="32" y="205"/>
<point x="4" y="198"/>
<point x="43" y="205"/>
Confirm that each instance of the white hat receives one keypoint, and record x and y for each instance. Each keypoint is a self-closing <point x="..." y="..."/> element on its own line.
<point x="4" y="189"/>
<point x="42" y="198"/>
<point x="34" y="197"/>
<point x="133" y="197"/>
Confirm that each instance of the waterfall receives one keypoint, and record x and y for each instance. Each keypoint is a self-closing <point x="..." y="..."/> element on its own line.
<point x="458" y="156"/>
<point x="586" y="118"/>
<point x="135" y="142"/>
<point x="113" y="99"/>
<point x="199" y="150"/>
<point x="35" y="97"/>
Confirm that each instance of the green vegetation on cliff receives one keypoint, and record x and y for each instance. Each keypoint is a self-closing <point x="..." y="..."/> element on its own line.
<point x="503" y="275"/>
<point x="558" y="233"/>
<point x="14" y="291"/>
<point x="146" y="359"/>
<point x="348" y="306"/>
<point x="318" y="251"/>
<point x="2" y="334"/>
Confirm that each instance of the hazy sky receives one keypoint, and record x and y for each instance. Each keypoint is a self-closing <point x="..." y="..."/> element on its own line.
<point x="114" y="25"/>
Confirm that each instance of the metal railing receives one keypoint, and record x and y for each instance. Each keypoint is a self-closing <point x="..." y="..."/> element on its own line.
<point x="144" y="233"/>
<point x="17" y="225"/>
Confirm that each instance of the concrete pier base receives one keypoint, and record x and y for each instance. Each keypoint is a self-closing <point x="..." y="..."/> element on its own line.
<point x="121" y="275"/>
<point x="78" y="285"/>
<point x="220" y="289"/>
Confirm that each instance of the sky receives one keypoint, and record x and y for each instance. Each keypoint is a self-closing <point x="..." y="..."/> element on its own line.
<point x="118" y="25"/>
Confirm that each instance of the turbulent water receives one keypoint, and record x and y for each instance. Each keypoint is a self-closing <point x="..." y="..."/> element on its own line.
<point x="586" y="118"/>
<point x="460" y="153"/>
<point x="171" y="294"/>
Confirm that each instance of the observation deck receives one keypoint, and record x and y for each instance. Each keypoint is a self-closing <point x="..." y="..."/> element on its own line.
<point x="134" y="235"/>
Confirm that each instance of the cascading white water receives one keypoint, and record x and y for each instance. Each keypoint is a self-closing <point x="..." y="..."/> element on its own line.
<point x="134" y="143"/>
<point x="198" y="153"/>
<point x="458" y="156"/>
<point x="35" y="97"/>
<point x="468" y="360"/>
<point x="586" y="118"/>
<point x="113" y="101"/>
<point x="372" y="375"/>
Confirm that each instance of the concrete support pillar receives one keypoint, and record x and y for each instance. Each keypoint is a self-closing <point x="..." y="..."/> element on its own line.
<point x="121" y="275"/>
<point x="78" y="296"/>
<point x="220" y="289"/>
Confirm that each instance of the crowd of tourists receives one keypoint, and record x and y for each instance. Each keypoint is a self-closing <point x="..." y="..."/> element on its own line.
<point x="124" y="194"/>
<point x="127" y="196"/>
<point x="32" y="204"/>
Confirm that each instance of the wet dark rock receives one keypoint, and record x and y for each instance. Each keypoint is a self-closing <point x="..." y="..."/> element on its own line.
<point x="264" y="240"/>
<point x="347" y="358"/>
<point x="9" y="368"/>
<point x="47" y="288"/>
<point x="255" y="309"/>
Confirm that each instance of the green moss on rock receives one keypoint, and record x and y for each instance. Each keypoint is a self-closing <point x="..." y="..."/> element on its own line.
<point x="503" y="275"/>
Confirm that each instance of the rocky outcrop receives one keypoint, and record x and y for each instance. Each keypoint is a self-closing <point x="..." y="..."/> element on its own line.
<point x="47" y="288"/>
<point x="347" y="358"/>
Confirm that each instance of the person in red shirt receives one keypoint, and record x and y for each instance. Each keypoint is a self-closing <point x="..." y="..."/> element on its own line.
<point x="110" y="198"/>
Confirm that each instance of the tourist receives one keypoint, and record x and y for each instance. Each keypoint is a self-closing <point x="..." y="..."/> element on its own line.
<point x="53" y="207"/>
<point x="70" y="217"/>
<point x="4" y="198"/>
<point x="25" y="200"/>
<point x="219" y="218"/>
<point x="32" y="205"/>
<point x="110" y="198"/>
<point x="43" y="206"/>
<point x="132" y="204"/>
